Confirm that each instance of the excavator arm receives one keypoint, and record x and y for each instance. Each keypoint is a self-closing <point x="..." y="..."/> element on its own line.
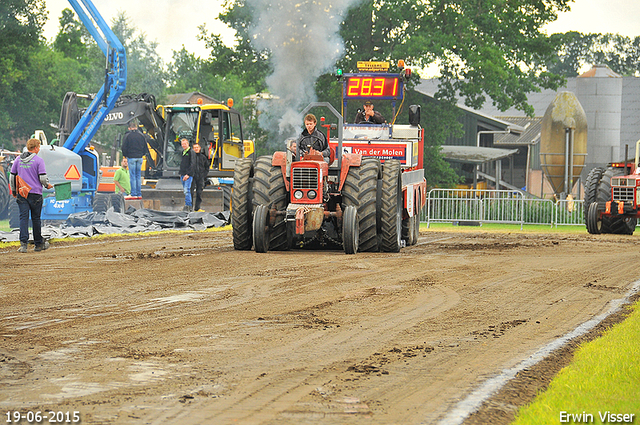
<point x="143" y="108"/>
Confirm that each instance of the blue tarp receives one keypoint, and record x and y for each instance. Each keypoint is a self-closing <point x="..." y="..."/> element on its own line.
<point x="87" y="224"/>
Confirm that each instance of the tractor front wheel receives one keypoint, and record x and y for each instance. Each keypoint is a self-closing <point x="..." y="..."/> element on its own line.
<point x="350" y="230"/>
<point x="412" y="224"/>
<point x="14" y="215"/>
<point x="261" y="228"/>
<point x="269" y="189"/>
<point x="361" y="190"/>
<point x="593" y="221"/>
<point x="5" y="195"/>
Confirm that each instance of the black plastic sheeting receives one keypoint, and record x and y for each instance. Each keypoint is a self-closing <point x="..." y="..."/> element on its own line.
<point x="87" y="224"/>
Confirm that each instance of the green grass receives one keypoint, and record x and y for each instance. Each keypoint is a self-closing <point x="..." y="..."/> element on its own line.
<point x="604" y="376"/>
<point x="499" y="227"/>
<point x="488" y="227"/>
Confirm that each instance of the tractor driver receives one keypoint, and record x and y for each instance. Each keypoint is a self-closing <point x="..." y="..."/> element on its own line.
<point x="311" y="137"/>
<point x="369" y="116"/>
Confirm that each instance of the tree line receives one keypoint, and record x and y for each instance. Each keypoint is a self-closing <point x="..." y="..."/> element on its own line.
<point x="485" y="51"/>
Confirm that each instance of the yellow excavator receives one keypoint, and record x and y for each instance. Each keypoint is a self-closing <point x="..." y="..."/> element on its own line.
<point x="217" y="127"/>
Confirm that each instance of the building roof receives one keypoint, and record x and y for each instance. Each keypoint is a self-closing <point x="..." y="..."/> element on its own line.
<point x="474" y="154"/>
<point x="530" y="135"/>
<point x="491" y="122"/>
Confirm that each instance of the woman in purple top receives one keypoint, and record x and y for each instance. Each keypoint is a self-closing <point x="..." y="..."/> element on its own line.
<point x="28" y="177"/>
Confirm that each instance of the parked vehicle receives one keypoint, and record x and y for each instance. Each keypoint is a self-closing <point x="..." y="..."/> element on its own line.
<point x="612" y="197"/>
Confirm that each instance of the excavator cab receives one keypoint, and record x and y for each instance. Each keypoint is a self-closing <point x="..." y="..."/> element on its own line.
<point x="216" y="127"/>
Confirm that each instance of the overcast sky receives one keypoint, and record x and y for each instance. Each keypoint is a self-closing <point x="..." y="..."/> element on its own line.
<point x="174" y="23"/>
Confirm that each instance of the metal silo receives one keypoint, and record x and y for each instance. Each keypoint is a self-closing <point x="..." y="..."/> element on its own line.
<point x="600" y="93"/>
<point x="563" y="141"/>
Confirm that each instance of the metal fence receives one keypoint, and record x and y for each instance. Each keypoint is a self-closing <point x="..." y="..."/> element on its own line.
<point x="499" y="206"/>
<point x="474" y="205"/>
<point x="569" y="213"/>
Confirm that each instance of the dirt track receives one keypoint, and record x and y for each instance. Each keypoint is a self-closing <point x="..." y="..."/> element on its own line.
<point x="182" y="329"/>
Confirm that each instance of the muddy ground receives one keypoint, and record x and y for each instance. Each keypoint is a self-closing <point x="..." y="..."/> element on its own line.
<point x="179" y="328"/>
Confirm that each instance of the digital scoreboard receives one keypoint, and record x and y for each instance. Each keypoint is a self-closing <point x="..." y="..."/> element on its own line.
<point x="373" y="87"/>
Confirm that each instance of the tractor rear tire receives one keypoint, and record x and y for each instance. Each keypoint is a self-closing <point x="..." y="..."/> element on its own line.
<point x="592" y="219"/>
<point x="261" y="228"/>
<point x="619" y="225"/>
<point x="242" y="212"/>
<point x="391" y="207"/>
<point x="623" y="225"/>
<point x="350" y="230"/>
<point x="101" y="202"/>
<point x="360" y="189"/>
<point x="269" y="189"/>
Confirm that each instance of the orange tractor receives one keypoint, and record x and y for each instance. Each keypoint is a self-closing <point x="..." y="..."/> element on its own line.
<point x="358" y="201"/>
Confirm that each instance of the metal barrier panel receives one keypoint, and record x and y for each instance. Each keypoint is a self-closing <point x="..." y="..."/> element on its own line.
<point x="569" y="212"/>
<point x="494" y="206"/>
<point x="539" y="211"/>
<point x="452" y="205"/>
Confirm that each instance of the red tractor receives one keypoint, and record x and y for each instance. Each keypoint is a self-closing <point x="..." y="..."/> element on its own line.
<point x="612" y="198"/>
<point x="368" y="198"/>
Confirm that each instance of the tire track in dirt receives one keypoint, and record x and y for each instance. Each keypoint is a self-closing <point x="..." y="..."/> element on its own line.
<point x="270" y="384"/>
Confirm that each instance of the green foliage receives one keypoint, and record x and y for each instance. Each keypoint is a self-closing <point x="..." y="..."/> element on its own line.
<point x="21" y="24"/>
<point x="243" y="60"/>
<point x="190" y="73"/>
<point x="73" y="38"/>
<point x="539" y="212"/>
<point x="576" y="50"/>
<point x="440" y="121"/>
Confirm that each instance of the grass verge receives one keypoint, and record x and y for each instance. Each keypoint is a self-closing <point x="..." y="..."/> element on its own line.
<point x="511" y="228"/>
<point x="486" y="227"/>
<point x="602" y="380"/>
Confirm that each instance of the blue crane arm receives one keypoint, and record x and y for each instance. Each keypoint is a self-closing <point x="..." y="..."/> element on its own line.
<point x="115" y="76"/>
